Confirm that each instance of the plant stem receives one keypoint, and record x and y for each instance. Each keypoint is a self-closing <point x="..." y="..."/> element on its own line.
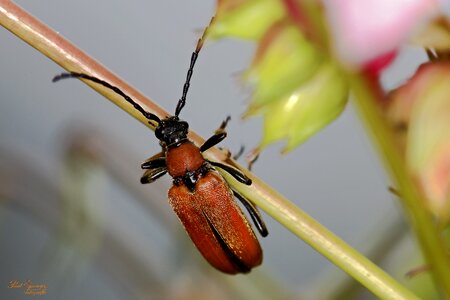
<point x="325" y="242"/>
<point x="69" y="57"/>
<point x="427" y="233"/>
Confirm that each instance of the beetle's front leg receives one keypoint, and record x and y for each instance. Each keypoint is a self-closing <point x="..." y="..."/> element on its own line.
<point x="155" y="162"/>
<point x="155" y="167"/>
<point x="153" y="174"/>
<point x="218" y="136"/>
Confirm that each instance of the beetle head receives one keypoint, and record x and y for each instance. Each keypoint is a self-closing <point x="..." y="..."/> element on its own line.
<point x="171" y="131"/>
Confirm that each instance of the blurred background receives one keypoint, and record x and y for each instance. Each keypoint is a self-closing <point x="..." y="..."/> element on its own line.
<point x="73" y="215"/>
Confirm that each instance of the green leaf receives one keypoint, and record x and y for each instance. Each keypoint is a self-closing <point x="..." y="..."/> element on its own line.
<point x="245" y="19"/>
<point x="296" y="86"/>
<point x="308" y="109"/>
<point x="284" y="61"/>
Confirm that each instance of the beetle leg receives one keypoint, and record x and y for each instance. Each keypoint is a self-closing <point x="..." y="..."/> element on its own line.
<point x="223" y="125"/>
<point x="239" y="153"/>
<point x="251" y="162"/>
<point x="254" y="214"/>
<point x="212" y="141"/>
<point x="228" y="154"/>
<point x="154" y="162"/>
<point x="153" y="174"/>
<point x="218" y="136"/>
<point x="238" y="175"/>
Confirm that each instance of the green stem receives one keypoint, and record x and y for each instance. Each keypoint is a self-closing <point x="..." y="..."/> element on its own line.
<point x="71" y="58"/>
<point x="324" y="241"/>
<point x="428" y="235"/>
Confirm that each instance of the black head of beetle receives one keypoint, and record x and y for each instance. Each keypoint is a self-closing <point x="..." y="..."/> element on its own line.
<point x="171" y="131"/>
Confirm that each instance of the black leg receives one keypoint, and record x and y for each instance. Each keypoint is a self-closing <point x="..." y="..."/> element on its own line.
<point x="156" y="161"/>
<point x="153" y="174"/>
<point x="223" y="125"/>
<point x="228" y="153"/>
<point x="254" y="157"/>
<point x="212" y="141"/>
<point x="239" y="153"/>
<point x="254" y="214"/>
<point x="238" y="175"/>
<point x="218" y="136"/>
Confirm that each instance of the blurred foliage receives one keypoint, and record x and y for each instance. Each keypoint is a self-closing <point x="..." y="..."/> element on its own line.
<point x="297" y="87"/>
<point x="421" y="106"/>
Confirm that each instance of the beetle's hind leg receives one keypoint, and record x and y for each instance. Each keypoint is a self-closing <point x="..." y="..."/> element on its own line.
<point x="254" y="214"/>
<point x="155" y="167"/>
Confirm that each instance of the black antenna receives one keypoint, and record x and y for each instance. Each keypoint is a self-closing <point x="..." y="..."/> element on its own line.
<point x="146" y="114"/>
<point x="194" y="56"/>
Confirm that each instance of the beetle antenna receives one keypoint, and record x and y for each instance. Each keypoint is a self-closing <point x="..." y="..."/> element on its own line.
<point x="146" y="114"/>
<point x="194" y="56"/>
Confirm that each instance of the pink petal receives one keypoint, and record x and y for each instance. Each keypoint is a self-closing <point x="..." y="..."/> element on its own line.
<point x="367" y="29"/>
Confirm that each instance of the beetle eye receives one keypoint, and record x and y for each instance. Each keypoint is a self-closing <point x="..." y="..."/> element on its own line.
<point x="159" y="132"/>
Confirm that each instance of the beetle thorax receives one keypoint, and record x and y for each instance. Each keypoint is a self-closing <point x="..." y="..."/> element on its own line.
<point x="183" y="159"/>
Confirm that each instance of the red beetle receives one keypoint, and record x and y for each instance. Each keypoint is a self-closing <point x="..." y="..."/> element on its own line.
<point x="200" y="196"/>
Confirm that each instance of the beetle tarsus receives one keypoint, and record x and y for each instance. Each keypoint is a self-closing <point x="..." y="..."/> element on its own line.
<point x="223" y="125"/>
<point x="239" y="153"/>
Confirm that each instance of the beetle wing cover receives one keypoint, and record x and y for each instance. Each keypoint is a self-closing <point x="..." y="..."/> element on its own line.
<point x="216" y="224"/>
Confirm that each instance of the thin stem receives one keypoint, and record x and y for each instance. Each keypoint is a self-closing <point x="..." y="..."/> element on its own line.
<point x="69" y="57"/>
<point x="324" y="241"/>
<point x="428" y="235"/>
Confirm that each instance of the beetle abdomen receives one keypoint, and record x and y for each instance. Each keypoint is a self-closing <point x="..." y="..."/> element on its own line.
<point x="216" y="224"/>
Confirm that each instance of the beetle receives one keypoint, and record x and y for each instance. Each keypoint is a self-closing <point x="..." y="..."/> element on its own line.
<point x="200" y="196"/>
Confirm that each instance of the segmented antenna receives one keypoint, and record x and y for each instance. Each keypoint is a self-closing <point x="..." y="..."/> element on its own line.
<point x="194" y="56"/>
<point x="145" y="113"/>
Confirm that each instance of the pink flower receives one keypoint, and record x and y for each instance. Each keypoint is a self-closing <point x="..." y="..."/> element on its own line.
<point x="366" y="31"/>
